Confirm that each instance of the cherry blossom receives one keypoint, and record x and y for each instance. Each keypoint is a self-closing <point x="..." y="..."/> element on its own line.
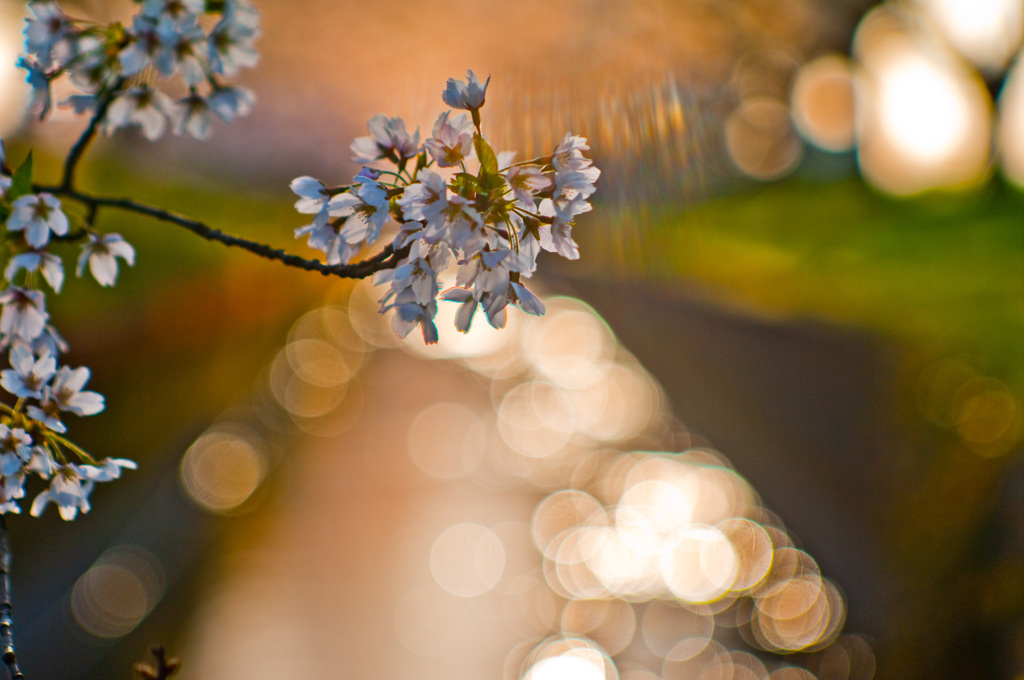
<point x="67" y="490"/>
<point x="101" y="253"/>
<point x="36" y="216"/>
<point x="468" y="94"/>
<point x="28" y="375"/>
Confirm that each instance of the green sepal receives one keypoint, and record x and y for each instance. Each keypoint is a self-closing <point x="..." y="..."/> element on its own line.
<point x="421" y="162"/>
<point x="491" y="184"/>
<point x="21" y="180"/>
<point x="498" y="214"/>
<point x="464" y="184"/>
<point x="485" y="154"/>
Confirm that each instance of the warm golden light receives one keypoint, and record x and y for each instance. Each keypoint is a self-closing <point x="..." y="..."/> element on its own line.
<point x="14" y="92"/>
<point x="610" y="623"/>
<point x="674" y="632"/>
<point x="823" y="103"/>
<point x="117" y="592"/>
<point x="760" y="139"/>
<point x="1011" y="123"/>
<point x="700" y="566"/>
<point x="569" y="658"/>
<point x="566" y="668"/>
<point x="925" y="119"/>
<point x="467" y="559"/>
<point x="536" y="419"/>
<point x="923" y="112"/>
<point x="223" y="468"/>
<point x="987" y="32"/>
<point x="446" y="440"/>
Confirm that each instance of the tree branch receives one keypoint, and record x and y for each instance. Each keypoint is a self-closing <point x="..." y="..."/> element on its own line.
<point x="78" y="150"/>
<point x="6" y="620"/>
<point x="388" y="258"/>
<point x="164" y="667"/>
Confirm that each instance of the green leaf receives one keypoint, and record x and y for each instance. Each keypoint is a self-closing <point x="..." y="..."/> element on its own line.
<point x="464" y="184"/>
<point x="492" y="184"/>
<point x="485" y="154"/>
<point x="21" y="181"/>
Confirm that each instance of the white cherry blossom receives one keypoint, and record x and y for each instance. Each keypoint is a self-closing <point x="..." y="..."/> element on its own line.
<point x="34" y="260"/>
<point x="36" y="215"/>
<point x="24" y="313"/>
<point x="67" y="490"/>
<point x="28" y="375"/>
<point x="101" y="253"/>
<point x="468" y="94"/>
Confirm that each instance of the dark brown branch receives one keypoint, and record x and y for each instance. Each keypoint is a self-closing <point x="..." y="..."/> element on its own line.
<point x="78" y="150"/>
<point x="388" y="258"/>
<point x="6" y="620"/>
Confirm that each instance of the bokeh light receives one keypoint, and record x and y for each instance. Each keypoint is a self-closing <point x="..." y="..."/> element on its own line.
<point x="822" y="102"/>
<point x="446" y="440"/>
<point x="223" y="468"/>
<point x="761" y="140"/>
<point x="1011" y="123"/>
<point x="987" y="32"/>
<point x="639" y="563"/>
<point x="925" y="118"/>
<point x="117" y="592"/>
<point x="14" y="92"/>
<point x="467" y="559"/>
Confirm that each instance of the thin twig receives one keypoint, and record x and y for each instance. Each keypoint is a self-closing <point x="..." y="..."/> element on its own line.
<point x="164" y="668"/>
<point x="388" y="258"/>
<point x="6" y="620"/>
<point x="78" y="150"/>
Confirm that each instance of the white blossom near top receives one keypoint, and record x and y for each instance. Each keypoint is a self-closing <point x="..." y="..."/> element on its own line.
<point x="525" y="181"/>
<point x="39" y="81"/>
<point x="366" y="206"/>
<point x="388" y="139"/>
<point x="45" y="30"/>
<point x="313" y="198"/>
<point x="28" y="375"/>
<point x="101" y="253"/>
<point x="109" y="469"/>
<point x="142" y="106"/>
<point x="183" y="48"/>
<point x="67" y="490"/>
<point x="17" y="444"/>
<point x="451" y="142"/>
<point x="193" y="115"/>
<point x="231" y="40"/>
<point x="145" y="46"/>
<point x="230" y="102"/>
<point x="468" y="94"/>
<point x="34" y="260"/>
<point x="24" y="313"/>
<point x="493" y="216"/>
<point x="36" y="215"/>
<point x="176" y="10"/>
<point x="67" y="394"/>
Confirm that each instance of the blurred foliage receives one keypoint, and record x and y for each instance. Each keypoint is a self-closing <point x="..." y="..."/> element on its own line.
<point x="944" y="271"/>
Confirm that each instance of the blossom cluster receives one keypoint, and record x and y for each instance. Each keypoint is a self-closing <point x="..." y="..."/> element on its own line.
<point x="113" y="64"/>
<point x="454" y="203"/>
<point x="32" y="433"/>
